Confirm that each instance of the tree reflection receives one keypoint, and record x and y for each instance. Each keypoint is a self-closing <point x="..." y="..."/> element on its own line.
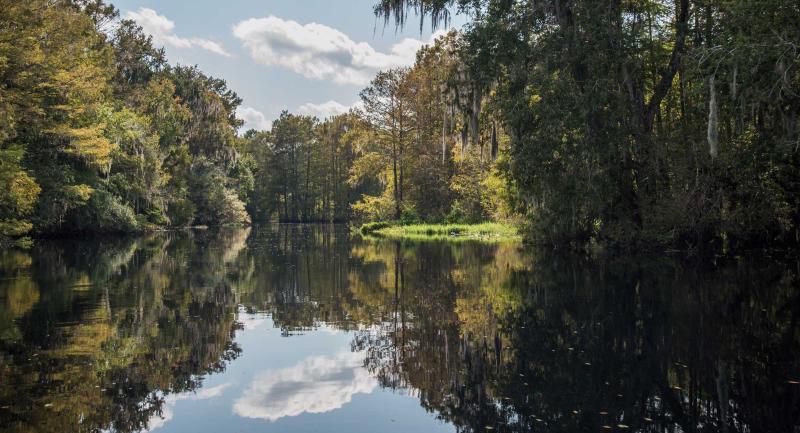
<point x="98" y="336"/>
<point x="573" y="345"/>
<point x="300" y="276"/>
<point x="94" y="335"/>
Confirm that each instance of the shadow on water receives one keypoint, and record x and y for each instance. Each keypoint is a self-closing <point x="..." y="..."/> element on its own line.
<point x="94" y="335"/>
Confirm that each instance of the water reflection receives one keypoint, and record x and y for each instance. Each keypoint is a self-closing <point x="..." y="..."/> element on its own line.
<point x="95" y="334"/>
<point x="316" y="384"/>
<point x="112" y="335"/>
<point x="167" y="410"/>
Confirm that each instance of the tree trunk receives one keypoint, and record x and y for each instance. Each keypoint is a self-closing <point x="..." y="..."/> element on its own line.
<point x="713" y="119"/>
<point x="394" y="183"/>
<point x="494" y="140"/>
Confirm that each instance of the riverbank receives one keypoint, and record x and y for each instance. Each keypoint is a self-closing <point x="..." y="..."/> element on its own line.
<point x="489" y="231"/>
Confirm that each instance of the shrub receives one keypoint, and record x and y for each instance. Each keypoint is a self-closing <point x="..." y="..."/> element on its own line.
<point x="409" y="216"/>
<point x="181" y="212"/>
<point x="456" y="215"/>
<point x="105" y="212"/>
<point x="374" y="226"/>
<point x="374" y="208"/>
<point x="232" y="211"/>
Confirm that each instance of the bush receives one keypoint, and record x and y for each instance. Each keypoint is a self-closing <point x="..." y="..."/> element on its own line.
<point x="409" y="216"/>
<point x="104" y="212"/>
<point x="456" y="215"/>
<point x="375" y="226"/>
<point x="156" y="216"/>
<point x="374" y="208"/>
<point x="181" y="212"/>
<point x="12" y="233"/>
<point x="233" y="210"/>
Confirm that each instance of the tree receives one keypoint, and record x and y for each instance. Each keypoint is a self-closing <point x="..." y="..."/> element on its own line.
<point x="98" y="133"/>
<point x="388" y="110"/>
<point x="638" y="123"/>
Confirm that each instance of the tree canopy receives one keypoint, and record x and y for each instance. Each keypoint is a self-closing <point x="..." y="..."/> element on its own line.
<point x="672" y="121"/>
<point x="629" y="124"/>
<point x="99" y="133"/>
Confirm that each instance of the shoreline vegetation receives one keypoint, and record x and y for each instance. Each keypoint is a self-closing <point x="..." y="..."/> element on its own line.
<point x="486" y="231"/>
<point x="627" y="126"/>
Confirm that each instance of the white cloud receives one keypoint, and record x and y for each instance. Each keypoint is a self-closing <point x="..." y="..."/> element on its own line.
<point x="210" y="46"/>
<point x="167" y="412"/>
<point x="324" y="110"/>
<point x="161" y="28"/>
<point x="318" y="51"/>
<point x="204" y="393"/>
<point x="315" y="385"/>
<point x="253" y="119"/>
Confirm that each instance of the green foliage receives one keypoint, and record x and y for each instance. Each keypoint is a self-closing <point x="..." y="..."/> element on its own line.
<point x="638" y="123"/>
<point x="409" y="216"/>
<point x="99" y="133"/>
<point x="414" y="127"/>
<point x="18" y="191"/>
<point x="181" y="212"/>
<point x="456" y="214"/>
<point x="482" y="231"/>
<point x="374" y="208"/>
<point x="301" y="169"/>
<point x="372" y="227"/>
<point x="630" y="124"/>
<point x="216" y="204"/>
<point x="105" y="212"/>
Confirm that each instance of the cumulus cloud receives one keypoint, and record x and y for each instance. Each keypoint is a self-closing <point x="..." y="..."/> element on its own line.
<point x="318" y="51"/>
<point x="326" y="109"/>
<point x="162" y="30"/>
<point x="253" y="119"/>
<point x="168" y="413"/>
<point x="315" y="385"/>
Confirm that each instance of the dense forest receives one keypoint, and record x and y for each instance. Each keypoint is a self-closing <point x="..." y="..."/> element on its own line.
<point x="667" y="122"/>
<point x="646" y="122"/>
<point x="100" y="133"/>
<point x="407" y="153"/>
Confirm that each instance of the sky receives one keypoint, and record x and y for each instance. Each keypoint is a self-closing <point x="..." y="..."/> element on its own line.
<point x="309" y="57"/>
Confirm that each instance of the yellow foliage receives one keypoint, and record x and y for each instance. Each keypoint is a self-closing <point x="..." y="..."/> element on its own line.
<point x="24" y="192"/>
<point x="14" y="228"/>
<point x="88" y="144"/>
<point x="368" y="164"/>
<point x="80" y="193"/>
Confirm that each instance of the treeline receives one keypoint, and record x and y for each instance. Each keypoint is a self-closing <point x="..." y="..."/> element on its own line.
<point x="99" y="133"/>
<point x="301" y="168"/>
<point x="407" y="152"/>
<point x="640" y="122"/>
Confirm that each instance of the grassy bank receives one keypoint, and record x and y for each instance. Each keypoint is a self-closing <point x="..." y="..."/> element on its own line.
<point x="483" y="231"/>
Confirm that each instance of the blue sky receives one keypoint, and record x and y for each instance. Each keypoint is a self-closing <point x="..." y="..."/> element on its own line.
<point x="305" y="56"/>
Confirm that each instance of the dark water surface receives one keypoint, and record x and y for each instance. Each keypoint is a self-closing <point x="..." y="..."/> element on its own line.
<point x="305" y="329"/>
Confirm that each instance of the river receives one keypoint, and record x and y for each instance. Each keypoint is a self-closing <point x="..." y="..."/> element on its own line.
<point x="288" y="328"/>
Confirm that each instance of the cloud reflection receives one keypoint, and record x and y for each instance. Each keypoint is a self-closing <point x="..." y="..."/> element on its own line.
<point x="315" y="385"/>
<point x="167" y="412"/>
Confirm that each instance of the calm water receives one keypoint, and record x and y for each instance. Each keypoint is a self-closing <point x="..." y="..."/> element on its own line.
<point x="304" y="329"/>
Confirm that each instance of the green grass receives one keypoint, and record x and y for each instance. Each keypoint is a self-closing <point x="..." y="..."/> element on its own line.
<point x="484" y="231"/>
